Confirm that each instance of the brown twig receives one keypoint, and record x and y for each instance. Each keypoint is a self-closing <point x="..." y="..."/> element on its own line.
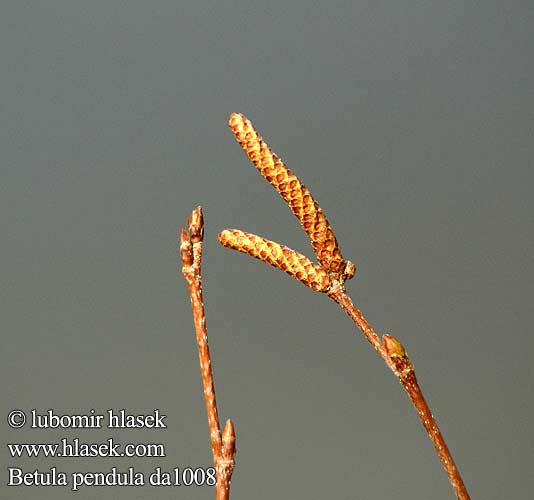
<point x="394" y="355"/>
<point x="223" y="446"/>
<point x="405" y="372"/>
<point x="337" y="270"/>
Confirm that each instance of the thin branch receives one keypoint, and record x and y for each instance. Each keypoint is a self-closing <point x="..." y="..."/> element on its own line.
<point x="191" y="253"/>
<point x="394" y="355"/>
<point x="405" y="371"/>
<point x="223" y="447"/>
<point x="337" y="270"/>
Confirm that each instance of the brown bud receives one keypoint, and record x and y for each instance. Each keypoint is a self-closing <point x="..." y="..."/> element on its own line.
<point x="186" y="249"/>
<point x="350" y="270"/>
<point x="228" y="440"/>
<point x="196" y="225"/>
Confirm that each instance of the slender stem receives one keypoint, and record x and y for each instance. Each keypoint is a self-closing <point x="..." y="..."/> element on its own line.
<point x="394" y="355"/>
<point x="223" y="446"/>
<point x="337" y="293"/>
<point x="413" y="389"/>
<point x="194" y="282"/>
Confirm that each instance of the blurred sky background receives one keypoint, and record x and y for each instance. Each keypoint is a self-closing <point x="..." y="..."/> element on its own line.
<point x="412" y="125"/>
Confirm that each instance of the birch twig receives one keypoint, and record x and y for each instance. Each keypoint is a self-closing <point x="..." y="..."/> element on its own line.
<point x="329" y="276"/>
<point x="223" y="446"/>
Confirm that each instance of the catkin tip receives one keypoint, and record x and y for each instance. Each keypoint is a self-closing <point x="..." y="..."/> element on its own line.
<point x="235" y="118"/>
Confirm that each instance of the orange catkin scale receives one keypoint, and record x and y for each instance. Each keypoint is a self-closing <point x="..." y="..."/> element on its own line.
<point x="294" y="193"/>
<point x="293" y="263"/>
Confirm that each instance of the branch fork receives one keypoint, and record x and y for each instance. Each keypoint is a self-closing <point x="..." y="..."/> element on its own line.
<point x="328" y="276"/>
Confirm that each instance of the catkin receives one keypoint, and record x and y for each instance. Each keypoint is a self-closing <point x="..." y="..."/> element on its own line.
<point x="293" y="263"/>
<point x="295" y="194"/>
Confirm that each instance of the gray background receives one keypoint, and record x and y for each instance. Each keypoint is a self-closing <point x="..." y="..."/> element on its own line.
<point x="411" y="122"/>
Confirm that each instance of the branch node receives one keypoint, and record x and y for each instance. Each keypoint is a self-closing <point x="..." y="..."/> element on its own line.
<point x="393" y="347"/>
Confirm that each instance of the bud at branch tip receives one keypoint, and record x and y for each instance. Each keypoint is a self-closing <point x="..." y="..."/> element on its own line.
<point x="196" y="225"/>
